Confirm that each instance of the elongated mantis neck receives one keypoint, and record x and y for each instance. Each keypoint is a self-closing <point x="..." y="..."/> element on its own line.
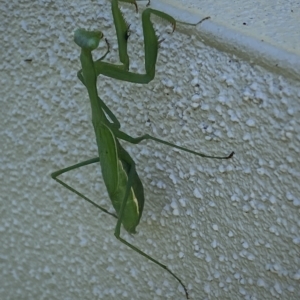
<point x="90" y="81"/>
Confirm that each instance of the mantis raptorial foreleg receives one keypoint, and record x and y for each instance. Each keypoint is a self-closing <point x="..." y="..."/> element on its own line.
<point x="150" y="47"/>
<point x="119" y="173"/>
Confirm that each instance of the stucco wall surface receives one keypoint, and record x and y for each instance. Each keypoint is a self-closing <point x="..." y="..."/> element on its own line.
<point x="229" y="229"/>
<point x="275" y="22"/>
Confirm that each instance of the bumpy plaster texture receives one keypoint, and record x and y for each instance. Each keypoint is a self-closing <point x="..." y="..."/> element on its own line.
<point x="274" y="22"/>
<point x="229" y="229"/>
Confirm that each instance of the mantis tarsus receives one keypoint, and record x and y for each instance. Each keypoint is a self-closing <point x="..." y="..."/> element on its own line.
<point x="123" y="184"/>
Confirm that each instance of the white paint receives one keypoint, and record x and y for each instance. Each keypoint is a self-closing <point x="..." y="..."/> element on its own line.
<point x="226" y="228"/>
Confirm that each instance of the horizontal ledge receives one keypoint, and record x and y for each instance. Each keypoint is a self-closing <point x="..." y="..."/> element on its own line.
<point x="260" y="52"/>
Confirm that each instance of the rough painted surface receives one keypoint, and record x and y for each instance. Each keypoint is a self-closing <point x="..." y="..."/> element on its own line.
<point x="230" y="229"/>
<point x="276" y="23"/>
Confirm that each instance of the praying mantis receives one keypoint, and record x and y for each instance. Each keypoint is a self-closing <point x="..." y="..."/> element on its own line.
<point x="121" y="179"/>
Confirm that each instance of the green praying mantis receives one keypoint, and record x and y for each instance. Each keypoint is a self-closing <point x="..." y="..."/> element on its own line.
<point x="121" y="179"/>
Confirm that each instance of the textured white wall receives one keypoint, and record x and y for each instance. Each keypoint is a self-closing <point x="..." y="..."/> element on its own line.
<point x="228" y="229"/>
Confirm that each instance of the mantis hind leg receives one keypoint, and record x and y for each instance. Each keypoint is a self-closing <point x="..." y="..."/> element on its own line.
<point x="54" y="175"/>
<point x="155" y="261"/>
<point x="131" y="174"/>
